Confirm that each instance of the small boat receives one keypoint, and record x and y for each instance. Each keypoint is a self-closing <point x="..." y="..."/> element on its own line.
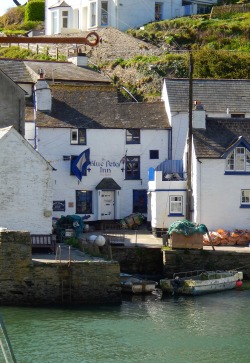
<point x="137" y="286"/>
<point x="201" y="282"/>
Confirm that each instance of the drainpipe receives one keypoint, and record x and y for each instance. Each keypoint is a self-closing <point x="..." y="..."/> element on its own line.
<point x="189" y="162"/>
<point x="117" y="13"/>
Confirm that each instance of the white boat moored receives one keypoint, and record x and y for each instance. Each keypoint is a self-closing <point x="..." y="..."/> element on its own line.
<point x="201" y="282"/>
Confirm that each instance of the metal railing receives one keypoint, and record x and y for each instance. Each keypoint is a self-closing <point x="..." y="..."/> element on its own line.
<point x="6" y="345"/>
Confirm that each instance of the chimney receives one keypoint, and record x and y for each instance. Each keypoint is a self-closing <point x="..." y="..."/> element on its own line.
<point x="199" y="116"/>
<point x="77" y="57"/>
<point x="43" y="98"/>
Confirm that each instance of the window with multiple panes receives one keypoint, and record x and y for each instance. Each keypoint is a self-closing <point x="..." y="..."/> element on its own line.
<point x="132" y="167"/>
<point x="65" y="19"/>
<point x="78" y="137"/>
<point x="93" y="14"/>
<point x="140" y="201"/>
<point x="54" y="22"/>
<point x="154" y="154"/>
<point x="72" y="159"/>
<point x="238" y="160"/>
<point x="158" y="11"/>
<point x="104" y="13"/>
<point x="245" y="197"/>
<point x="84" y="201"/>
<point x="133" y="136"/>
<point x="175" y="204"/>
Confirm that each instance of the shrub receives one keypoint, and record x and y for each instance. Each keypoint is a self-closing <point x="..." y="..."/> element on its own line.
<point x="34" y="11"/>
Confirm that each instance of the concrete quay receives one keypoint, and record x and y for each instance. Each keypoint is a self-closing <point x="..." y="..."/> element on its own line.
<point x="131" y="239"/>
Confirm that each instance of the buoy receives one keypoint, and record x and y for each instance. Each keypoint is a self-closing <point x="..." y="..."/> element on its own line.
<point x="92" y="238"/>
<point x="239" y="283"/>
<point x="100" y="241"/>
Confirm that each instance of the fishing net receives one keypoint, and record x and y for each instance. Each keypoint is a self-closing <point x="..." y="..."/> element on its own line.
<point x="187" y="228"/>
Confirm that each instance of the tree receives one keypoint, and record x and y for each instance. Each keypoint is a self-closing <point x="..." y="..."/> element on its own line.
<point x="16" y="3"/>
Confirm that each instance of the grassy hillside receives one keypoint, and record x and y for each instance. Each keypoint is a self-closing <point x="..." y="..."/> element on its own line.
<point x="220" y="47"/>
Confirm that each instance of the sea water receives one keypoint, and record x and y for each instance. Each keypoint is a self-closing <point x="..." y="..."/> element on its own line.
<point x="206" y="329"/>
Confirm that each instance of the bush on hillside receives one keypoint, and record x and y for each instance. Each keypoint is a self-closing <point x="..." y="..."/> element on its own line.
<point x="34" y="11"/>
<point x="13" y="16"/>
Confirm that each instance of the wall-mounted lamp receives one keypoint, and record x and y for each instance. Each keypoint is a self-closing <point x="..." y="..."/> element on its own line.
<point x="122" y="169"/>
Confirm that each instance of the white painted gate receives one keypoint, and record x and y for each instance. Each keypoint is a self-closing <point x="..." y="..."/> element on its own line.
<point x="107" y="204"/>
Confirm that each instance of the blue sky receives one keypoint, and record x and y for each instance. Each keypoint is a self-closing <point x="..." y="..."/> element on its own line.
<point x="6" y="4"/>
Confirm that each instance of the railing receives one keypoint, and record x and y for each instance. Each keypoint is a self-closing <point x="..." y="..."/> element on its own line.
<point x="7" y="353"/>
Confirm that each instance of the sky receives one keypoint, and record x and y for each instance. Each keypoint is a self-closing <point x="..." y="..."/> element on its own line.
<point x="6" y="4"/>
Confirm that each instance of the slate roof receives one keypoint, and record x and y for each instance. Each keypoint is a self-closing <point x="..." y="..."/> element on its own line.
<point x="60" y="4"/>
<point x="25" y="71"/>
<point x="216" y="95"/>
<point x="16" y="70"/>
<point x="97" y="107"/>
<point x="220" y="133"/>
<point x="64" y="71"/>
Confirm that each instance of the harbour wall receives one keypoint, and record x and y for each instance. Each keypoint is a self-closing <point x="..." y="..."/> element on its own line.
<point x="155" y="261"/>
<point x="27" y="282"/>
<point x="188" y="260"/>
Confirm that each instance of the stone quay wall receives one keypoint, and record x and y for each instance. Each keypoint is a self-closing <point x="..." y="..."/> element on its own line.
<point x="27" y="282"/>
<point x="138" y="260"/>
<point x="189" y="260"/>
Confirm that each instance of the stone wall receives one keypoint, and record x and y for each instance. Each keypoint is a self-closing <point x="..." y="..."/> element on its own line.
<point x="27" y="282"/>
<point x="139" y="260"/>
<point x="188" y="260"/>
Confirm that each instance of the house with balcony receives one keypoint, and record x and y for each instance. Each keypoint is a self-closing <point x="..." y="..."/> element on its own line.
<point x="85" y="15"/>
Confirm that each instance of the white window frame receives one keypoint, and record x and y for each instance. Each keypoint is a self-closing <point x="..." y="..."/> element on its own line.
<point x="176" y="204"/>
<point x="54" y="21"/>
<point x="238" y="160"/>
<point x="75" y="137"/>
<point x="104" y="13"/>
<point x="93" y="14"/>
<point x="65" y="17"/>
<point x="245" y="197"/>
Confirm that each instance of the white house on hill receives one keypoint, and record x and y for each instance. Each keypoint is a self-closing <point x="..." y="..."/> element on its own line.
<point x="80" y="15"/>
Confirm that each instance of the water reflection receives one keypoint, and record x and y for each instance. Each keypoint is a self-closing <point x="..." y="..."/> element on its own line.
<point x="206" y="329"/>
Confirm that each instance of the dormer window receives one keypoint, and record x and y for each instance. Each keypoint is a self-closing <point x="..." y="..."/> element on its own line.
<point x="238" y="160"/>
<point x="78" y="137"/>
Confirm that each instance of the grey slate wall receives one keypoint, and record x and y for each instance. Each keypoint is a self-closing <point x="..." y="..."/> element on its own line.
<point x="12" y="104"/>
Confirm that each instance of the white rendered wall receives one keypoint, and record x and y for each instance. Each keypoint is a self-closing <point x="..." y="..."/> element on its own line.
<point x="25" y="188"/>
<point x="107" y="148"/>
<point x="219" y="205"/>
<point x="122" y="15"/>
<point x="160" y="191"/>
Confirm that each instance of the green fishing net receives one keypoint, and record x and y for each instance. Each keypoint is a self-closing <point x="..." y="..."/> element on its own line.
<point x="187" y="228"/>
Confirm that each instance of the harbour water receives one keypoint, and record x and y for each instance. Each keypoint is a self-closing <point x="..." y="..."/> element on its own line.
<point x="206" y="329"/>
